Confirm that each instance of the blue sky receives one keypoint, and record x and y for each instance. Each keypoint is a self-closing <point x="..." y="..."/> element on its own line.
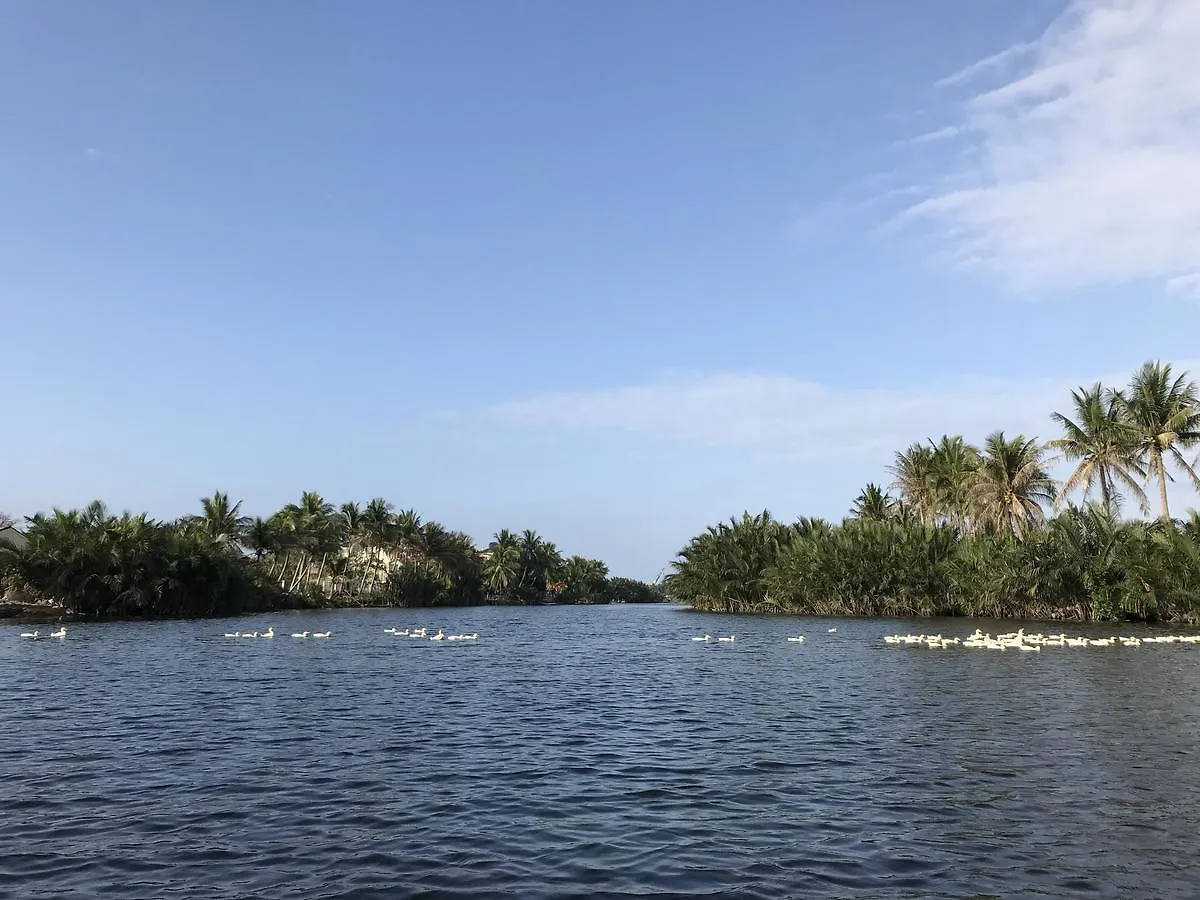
<point x="613" y="271"/>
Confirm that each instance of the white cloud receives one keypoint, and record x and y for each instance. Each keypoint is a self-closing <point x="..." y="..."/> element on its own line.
<point x="1185" y="286"/>
<point x="940" y="134"/>
<point x="1087" y="168"/>
<point x="995" y="61"/>
<point x="781" y="416"/>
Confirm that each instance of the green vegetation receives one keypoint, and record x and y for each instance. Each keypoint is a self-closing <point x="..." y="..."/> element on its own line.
<point x="220" y="562"/>
<point x="970" y="531"/>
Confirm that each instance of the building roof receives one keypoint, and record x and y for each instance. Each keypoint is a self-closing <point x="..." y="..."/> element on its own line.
<point x="14" y="538"/>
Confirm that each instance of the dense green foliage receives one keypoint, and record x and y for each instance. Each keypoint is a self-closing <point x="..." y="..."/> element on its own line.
<point x="970" y="532"/>
<point x="99" y="565"/>
<point x="308" y="554"/>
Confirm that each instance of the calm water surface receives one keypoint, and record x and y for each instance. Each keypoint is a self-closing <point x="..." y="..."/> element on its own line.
<point x="590" y="752"/>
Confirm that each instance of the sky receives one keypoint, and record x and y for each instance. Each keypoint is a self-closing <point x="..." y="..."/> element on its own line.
<point x="614" y="271"/>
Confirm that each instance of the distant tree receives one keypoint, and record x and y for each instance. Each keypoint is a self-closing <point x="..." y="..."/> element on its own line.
<point x="6" y="520"/>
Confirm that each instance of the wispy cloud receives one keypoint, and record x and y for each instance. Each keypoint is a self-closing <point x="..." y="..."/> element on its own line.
<point x="1088" y="162"/>
<point x="778" y="416"/>
<point x="989" y="64"/>
<point x="940" y="134"/>
<point x="1185" y="286"/>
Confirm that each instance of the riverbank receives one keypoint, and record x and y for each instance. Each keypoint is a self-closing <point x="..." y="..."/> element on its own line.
<point x="307" y="555"/>
<point x="1081" y="566"/>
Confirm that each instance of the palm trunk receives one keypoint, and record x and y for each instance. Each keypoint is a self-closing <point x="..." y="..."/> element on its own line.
<point x="362" y="584"/>
<point x="299" y="571"/>
<point x="1105" y="494"/>
<point x="321" y="571"/>
<point x="1161" y="471"/>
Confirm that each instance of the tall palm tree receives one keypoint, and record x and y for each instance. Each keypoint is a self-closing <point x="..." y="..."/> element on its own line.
<point x="220" y="520"/>
<point x="1011" y="486"/>
<point x="410" y="536"/>
<point x="916" y="481"/>
<point x="1102" y="448"/>
<point x="953" y="464"/>
<point x="311" y="521"/>
<point x="377" y="526"/>
<point x="935" y="480"/>
<point x="501" y="565"/>
<point x="351" y="516"/>
<point x="1162" y="414"/>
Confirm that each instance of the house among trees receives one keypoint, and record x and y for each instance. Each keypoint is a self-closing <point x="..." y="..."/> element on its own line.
<point x="13" y="538"/>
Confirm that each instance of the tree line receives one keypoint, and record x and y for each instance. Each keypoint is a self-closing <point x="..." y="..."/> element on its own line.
<point x="308" y="554"/>
<point x="986" y="531"/>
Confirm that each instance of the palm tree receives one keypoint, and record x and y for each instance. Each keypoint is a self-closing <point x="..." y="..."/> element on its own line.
<point x="220" y="521"/>
<point x="953" y="464"/>
<point x="935" y="480"/>
<point x="1101" y="446"/>
<point x="351" y="516"/>
<point x="1162" y="415"/>
<point x="311" y="522"/>
<point x="873" y="503"/>
<point x="377" y="526"/>
<point x="502" y="560"/>
<point x="1011" y="485"/>
<point x="259" y="537"/>
<point x="410" y="536"/>
<point x="586" y="580"/>
<point x="916" y="481"/>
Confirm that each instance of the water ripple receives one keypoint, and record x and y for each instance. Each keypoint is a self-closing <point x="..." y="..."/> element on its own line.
<point x="588" y="752"/>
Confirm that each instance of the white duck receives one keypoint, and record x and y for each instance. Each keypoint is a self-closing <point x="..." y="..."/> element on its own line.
<point x="61" y="633"/>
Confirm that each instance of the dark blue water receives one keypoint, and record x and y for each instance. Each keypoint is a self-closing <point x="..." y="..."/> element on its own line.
<point x="590" y="752"/>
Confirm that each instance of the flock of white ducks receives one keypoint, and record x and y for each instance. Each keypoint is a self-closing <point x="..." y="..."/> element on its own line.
<point x="798" y="639"/>
<point x="270" y="633"/>
<point x="1032" y="643"/>
<point x="423" y="633"/>
<point x="36" y="635"/>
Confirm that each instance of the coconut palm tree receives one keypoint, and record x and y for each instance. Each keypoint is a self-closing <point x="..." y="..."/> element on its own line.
<point x="259" y="537"/>
<point x="1102" y="448"/>
<point x="873" y="503"/>
<point x="1011" y="486"/>
<point x="220" y="520"/>
<point x="311" y="523"/>
<point x="953" y="464"/>
<point x="501" y="565"/>
<point x="916" y="481"/>
<point x="1162" y="415"/>
<point x="409" y="535"/>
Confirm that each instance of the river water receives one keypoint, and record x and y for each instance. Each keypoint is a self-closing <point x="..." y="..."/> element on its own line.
<point x="590" y="752"/>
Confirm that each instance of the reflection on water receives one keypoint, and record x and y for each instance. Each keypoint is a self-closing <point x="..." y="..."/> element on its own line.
<point x="590" y="751"/>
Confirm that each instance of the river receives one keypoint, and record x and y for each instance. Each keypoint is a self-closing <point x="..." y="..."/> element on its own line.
<point x="590" y="751"/>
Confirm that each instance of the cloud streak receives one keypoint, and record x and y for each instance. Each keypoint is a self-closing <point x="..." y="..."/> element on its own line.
<point x="786" y="418"/>
<point x="1086" y="162"/>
